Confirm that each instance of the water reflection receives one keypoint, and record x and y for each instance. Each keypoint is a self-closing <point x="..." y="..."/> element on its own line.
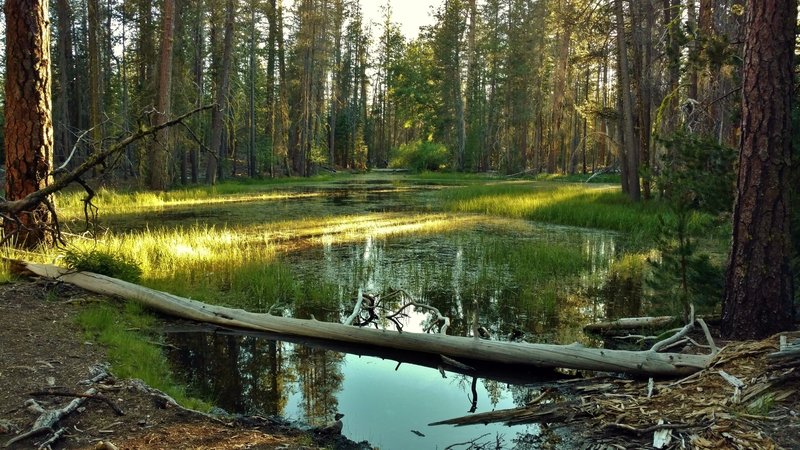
<point x="382" y="401"/>
<point x="245" y="375"/>
<point x="481" y="269"/>
<point x="521" y="280"/>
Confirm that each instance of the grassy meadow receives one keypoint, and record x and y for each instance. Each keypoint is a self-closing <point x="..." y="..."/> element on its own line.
<point x="227" y="244"/>
<point x="222" y="243"/>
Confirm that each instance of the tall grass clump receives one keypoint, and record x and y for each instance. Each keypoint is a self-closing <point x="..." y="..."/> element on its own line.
<point x="535" y="279"/>
<point x="5" y="274"/>
<point x="102" y="262"/>
<point x="622" y="292"/>
<point x="198" y="262"/>
<point x="131" y="353"/>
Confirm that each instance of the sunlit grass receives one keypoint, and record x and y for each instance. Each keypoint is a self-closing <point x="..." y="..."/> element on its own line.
<point x="239" y="258"/>
<point x="5" y="275"/>
<point x="114" y="202"/>
<point x="241" y="266"/>
<point x="589" y="206"/>
<point x="132" y="353"/>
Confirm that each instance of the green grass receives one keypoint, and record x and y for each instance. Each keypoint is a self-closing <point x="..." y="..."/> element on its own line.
<point x="5" y="275"/>
<point x="581" y="205"/>
<point x="131" y="351"/>
<point x="580" y="178"/>
<point x="233" y="259"/>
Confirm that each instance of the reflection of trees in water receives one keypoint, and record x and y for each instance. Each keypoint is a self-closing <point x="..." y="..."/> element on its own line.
<point x="516" y="281"/>
<point x="239" y="374"/>
<point x="320" y="378"/>
<point x="264" y="377"/>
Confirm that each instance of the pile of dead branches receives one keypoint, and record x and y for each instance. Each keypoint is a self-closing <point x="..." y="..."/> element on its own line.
<point x="723" y="406"/>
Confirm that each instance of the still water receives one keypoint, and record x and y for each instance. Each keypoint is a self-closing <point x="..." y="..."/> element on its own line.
<point x="497" y="269"/>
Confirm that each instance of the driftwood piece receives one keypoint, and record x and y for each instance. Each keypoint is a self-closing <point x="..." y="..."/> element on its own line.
<point x="628" y="324"/>
<point x="48" y="419"/>
<point x="98" y="397"/>
<point x="788" y="354"/>
<point x="454" y="347"/>
<point x="545" y="413"/>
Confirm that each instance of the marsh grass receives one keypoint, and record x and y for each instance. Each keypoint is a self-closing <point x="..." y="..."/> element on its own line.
<point x="132" y="352"/>
<point x="581" y="205"/>
<point x="122" y="201"/>
<point x="5" y="275"/>
<point x="242" y="265"/>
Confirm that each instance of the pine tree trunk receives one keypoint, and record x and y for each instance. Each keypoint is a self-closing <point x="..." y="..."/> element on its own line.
<point x="629" y="141"/>
<point x="252" y="168"/>
<point x="67" y="113"/>
<point x="95" y="108"/>
<point x="213" y="169"/>
<point x="160" y="151"/>
<point x="198" y="69"/>
<point x="271" y="115"/>
<point x="28" y="121"/>
<point x="759" y="297"/>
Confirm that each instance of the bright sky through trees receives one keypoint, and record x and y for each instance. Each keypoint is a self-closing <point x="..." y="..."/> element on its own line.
<point x="410" y="14"/>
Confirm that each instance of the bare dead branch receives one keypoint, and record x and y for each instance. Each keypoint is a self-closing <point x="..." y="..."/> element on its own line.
<point x="30" y="201"/>
<point x="99" y="397"/>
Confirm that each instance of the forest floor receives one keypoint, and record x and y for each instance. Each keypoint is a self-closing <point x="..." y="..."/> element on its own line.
<point x="43" y="349"/>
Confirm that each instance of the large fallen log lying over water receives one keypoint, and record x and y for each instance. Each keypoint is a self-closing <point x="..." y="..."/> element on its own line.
<point x="650" y="362"/>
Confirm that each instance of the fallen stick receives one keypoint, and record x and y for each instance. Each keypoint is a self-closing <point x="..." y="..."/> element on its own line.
<point x="49" y="418"/>
<point x="99" y="397"/>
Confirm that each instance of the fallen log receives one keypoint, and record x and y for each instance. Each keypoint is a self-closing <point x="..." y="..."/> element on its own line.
<point x="630" y="323"/>
<point x="613" y="327"/>
<point x="649" y="362"/>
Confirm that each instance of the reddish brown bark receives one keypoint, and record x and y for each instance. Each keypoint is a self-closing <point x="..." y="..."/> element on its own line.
<point x="29" y="126"/>
<point x="758" y="286"/>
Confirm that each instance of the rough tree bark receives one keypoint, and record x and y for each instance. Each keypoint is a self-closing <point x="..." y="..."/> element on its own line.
<point x="28" y="119"/>
<point x="758" y="286"/>
<point x="628" y="140"/>
<point x="218" y="113"/>
<point x="160" y="151"/>
<point x="95" y="102"/>
<point x="66" y="99"/>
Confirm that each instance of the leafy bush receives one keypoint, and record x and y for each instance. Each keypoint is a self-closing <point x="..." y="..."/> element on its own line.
<point x="104" y="263"/>
<point x="421" y="156"/>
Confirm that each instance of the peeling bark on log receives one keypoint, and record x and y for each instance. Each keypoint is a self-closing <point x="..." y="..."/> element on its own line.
<point x="628" y="324"/>
<point x="631" y="323"/>
<point x="649" y="363"/>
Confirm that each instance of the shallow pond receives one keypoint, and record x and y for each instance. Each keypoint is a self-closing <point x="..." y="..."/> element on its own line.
<point x="523" y="280"/>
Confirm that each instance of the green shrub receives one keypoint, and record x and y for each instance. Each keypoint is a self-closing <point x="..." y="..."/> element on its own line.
<point x="681" y="275"/>
<point x="104" y="263"/>
<point x="697" y="174"/>
<point x="421" y="156"/>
